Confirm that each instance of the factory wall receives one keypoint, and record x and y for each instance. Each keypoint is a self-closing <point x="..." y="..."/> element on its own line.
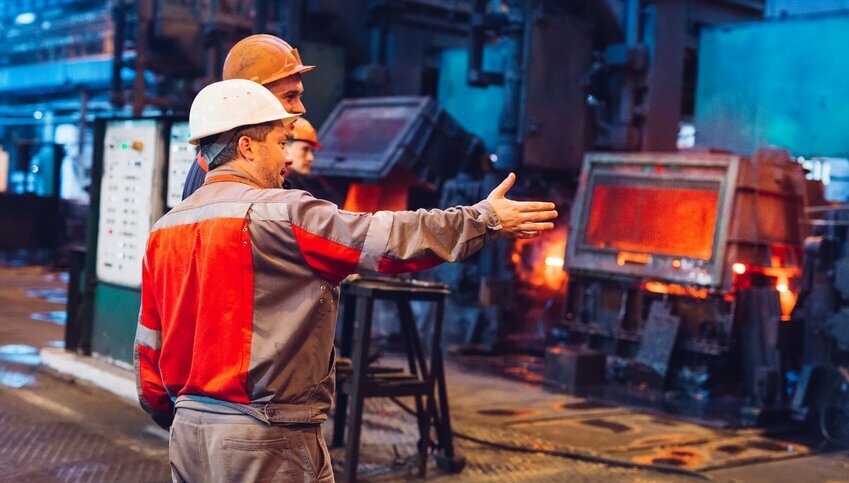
<point x="780" y="83"/>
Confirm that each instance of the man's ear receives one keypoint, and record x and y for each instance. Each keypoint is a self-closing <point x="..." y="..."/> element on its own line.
<point x="246" y="147"/>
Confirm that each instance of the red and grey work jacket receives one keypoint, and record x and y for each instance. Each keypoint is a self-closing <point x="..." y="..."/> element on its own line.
<point x="240" y="292"/>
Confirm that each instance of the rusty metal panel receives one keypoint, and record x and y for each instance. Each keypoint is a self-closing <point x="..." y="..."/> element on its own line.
<point x="771" y="196"/>
<point x="556" y="125"/>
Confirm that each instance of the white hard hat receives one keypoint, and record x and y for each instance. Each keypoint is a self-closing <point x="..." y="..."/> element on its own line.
<point x="222" y="106"/>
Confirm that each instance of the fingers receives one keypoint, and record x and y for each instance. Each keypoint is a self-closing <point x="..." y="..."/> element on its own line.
<point x="534" y="206"/>
<point x="501" y="190"/>
<point x="528" y="234"/>
<point x="535" y="226"/>
<point x="538" y="216"/>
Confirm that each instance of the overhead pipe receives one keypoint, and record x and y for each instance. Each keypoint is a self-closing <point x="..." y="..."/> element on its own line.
<point x="481" y="22"/>
<point x="632" y="33"/>
<point x="119" y="20"/>
<point x="507" y="147"/>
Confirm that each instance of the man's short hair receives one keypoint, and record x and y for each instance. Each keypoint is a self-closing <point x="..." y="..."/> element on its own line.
<point x="257" y="132"/>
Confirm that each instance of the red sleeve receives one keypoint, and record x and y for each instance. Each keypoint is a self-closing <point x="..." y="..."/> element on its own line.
<point x="153" y="397"/>
<point x="330" y="260"/>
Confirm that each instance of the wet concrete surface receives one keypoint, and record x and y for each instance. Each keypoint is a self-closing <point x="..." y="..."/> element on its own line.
<point x="57" y="430"/>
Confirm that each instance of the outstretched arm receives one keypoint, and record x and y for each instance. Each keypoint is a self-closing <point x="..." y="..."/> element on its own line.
<point x="336" y="243"/>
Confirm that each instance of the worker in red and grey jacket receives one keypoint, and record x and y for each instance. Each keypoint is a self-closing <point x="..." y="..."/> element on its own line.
<point x="240" y="292"/>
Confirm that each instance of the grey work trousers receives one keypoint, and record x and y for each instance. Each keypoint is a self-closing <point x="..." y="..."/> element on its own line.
<point x="230" y="446"/>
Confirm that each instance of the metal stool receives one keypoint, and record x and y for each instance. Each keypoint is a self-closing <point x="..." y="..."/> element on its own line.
<point x="422" y="382"/>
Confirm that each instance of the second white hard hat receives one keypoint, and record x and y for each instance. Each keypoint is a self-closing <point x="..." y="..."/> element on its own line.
<point x="225" y="105"/>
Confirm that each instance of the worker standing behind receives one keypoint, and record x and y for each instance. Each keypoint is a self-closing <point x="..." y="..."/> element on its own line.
<point x="273" y="63"/>
<point x="301" y="150"/>
<point x="240" y="292"/>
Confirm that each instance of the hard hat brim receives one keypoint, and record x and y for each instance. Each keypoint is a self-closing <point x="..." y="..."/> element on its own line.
<point x="285" y="120"/>
<point x="314" y="144"/>
<point x="283" y="75"/>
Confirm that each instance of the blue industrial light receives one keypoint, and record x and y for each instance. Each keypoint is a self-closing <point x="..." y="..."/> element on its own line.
<point x="38" y="114"/>
<point x="25" y="18"/>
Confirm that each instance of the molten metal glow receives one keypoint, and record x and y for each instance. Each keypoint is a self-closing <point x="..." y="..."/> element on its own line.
<point x="539" y="262"/>
<point x="627" y="257"/>
<point x="390" y="195"/>
<point x="650" y="219"/>
<point x="739" y="268"/>
<point x="673" y="289"/>
<point x="786" y="296"/>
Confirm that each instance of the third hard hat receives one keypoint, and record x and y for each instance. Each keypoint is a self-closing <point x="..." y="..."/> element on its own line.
<point x="305" y="132"/>
<point x="222" y="106"/>
<point x="263" y="58"/>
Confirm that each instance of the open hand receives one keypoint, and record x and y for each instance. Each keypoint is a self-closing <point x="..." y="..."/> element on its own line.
<point x="520" y="219"/>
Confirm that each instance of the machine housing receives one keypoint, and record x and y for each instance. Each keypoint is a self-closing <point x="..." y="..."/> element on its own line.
<point x="683" y="268"/>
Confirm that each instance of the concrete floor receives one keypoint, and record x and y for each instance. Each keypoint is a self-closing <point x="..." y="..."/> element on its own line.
<point x="54" y="429"/>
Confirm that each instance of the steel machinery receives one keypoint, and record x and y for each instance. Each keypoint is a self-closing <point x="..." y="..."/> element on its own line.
<point x="822" y="394"/>
<point x="683" y="270"/>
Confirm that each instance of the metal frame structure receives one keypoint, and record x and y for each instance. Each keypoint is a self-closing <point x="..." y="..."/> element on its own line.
<point x="581" y="257"/>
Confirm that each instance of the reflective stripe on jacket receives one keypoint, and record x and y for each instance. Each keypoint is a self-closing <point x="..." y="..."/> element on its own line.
<point x="240" y="291"/>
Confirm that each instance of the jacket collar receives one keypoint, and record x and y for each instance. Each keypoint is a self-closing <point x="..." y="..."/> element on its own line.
<point x="225" y="173"/>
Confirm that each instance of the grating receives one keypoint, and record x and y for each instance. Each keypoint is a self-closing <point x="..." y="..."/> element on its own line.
<point x="63" y="451"/>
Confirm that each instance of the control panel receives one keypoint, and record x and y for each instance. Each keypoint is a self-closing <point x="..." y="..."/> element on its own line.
<point x="130" y="198"/>
<point x="181" y="157"/>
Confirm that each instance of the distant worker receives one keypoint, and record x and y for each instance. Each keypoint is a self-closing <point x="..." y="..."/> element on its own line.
<point x="272" y="62"/>
<point x="234" y="347"/>
<point x="301" y="149"/>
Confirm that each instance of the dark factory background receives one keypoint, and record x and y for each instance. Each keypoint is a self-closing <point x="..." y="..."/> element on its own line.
<point x="696" y="151"/>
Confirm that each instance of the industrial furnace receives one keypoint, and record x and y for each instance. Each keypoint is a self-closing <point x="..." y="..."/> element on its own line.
<point x="682" y="272"/>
